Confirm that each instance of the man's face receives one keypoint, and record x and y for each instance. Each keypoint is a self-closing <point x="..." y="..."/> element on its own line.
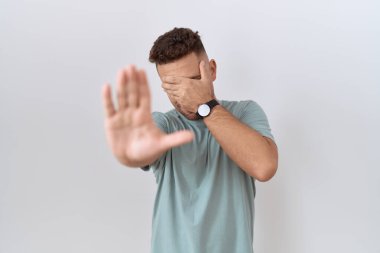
<point x="187" y="66"/>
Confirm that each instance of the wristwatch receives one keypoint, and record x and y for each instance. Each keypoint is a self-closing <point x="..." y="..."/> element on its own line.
<point x="205" y="109"/>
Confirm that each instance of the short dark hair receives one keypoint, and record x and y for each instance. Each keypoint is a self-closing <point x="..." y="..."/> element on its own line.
<point x="174" y="45"/>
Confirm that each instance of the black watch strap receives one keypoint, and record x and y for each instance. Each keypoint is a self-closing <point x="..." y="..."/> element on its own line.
<point x="212" y="103"/>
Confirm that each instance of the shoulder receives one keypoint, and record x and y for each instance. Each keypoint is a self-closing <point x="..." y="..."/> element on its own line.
<point x="164" y="119"/>
<point x="238" y="108"/>
<point x="235" y="104"/>
<point x="250" y="113"/>
<point x="164" y="116"/>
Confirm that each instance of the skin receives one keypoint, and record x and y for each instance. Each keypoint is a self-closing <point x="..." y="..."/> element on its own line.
<point x="131" y="133"/>
<point x="185" y="85"/>
<point x="136" y="141"/>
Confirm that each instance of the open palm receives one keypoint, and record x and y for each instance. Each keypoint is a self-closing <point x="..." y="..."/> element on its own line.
<point x="131" y="133"/>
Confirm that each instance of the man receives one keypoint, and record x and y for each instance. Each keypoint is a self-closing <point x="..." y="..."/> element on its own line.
<point x="205" y="154"/>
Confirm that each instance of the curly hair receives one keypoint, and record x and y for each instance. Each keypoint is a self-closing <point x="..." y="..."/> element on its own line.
<point x="174" y="45"/>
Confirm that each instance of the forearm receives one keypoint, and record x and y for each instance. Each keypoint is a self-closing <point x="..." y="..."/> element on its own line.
<point x="252" y="152"/>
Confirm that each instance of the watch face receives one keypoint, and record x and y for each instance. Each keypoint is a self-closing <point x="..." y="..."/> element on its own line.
<point x="204" y="110"/>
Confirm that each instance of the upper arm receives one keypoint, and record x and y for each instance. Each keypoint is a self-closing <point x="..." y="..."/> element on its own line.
<point x="254" y="116"/>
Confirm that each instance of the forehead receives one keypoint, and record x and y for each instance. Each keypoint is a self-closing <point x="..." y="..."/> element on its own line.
<point x="187" y="66"/>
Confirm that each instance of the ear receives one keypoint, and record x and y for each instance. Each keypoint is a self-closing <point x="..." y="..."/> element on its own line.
<point x="213" y="69"/>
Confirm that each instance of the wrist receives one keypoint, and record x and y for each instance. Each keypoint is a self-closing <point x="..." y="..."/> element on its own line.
<point x="205" y="109"/>
<point x="215" y="111"/>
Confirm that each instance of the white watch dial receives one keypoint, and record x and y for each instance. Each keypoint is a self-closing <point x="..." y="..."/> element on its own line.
<point x="204" y="110"/>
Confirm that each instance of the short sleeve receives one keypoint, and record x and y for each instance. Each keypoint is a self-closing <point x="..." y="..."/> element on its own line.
<point x="161" y="122"/>
<point x="254" y="116"/>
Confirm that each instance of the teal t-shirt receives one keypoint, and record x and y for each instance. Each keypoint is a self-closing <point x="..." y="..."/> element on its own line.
<point x="204" y="201"/>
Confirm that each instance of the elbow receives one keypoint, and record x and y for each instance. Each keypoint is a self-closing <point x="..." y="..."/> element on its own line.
<point x="267" y="168"/>
<point x="264" y="177"/>
<point x="265" y="173"/>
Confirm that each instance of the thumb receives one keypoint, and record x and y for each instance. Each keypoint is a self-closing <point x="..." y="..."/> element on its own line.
<point x="177" y="139"/>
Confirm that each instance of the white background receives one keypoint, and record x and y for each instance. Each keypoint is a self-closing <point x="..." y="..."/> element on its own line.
<point x="314" y="67"/>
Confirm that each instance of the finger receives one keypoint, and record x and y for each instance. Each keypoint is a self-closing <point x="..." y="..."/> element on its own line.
<point x="205" y="74"/>
<point x="132" y="87"/>
<point x="121" y="90"/>
<point x="144" y="91"/>
<point x="169" y="86"/>
<point x="175" y="94"/>
<point x="172" y="79"/>
<point x="177" y="138"/>
<point x="109" y="108"/>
